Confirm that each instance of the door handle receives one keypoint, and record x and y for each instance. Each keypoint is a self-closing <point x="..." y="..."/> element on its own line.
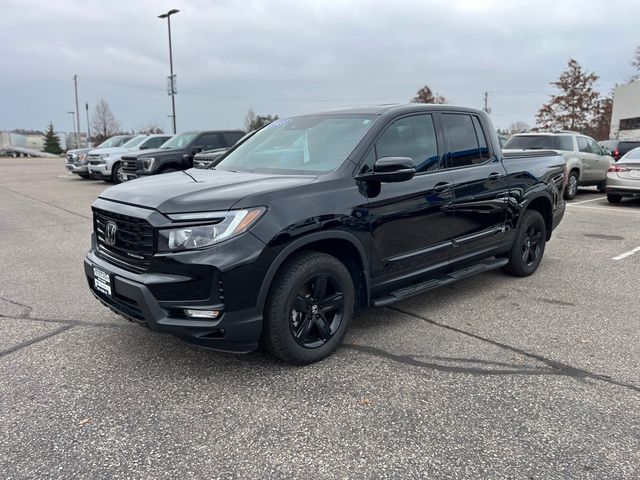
<point x="494" y="176"/>
<point x="442" y="187"/>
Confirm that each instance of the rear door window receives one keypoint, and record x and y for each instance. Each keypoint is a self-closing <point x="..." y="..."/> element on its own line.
<point x="595" y="148"/>
<point x="464" y="147"/>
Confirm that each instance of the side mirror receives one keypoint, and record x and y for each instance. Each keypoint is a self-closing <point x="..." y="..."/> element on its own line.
<point x="390" y="169"/>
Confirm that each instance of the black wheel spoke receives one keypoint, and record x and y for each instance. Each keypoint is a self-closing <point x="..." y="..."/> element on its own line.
<point x="323" y="327"/>
<point x="320" y="287"/>
<point x="300" y="304"/>
<point x="305" y="327"/>
<point x="332" y="302"/>
<point x="536" y="238"/>
<point x="525" y="254"/>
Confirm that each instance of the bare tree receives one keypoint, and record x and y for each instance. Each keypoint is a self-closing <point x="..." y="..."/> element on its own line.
<point x="518" y="127"/>
<point x="103" y="122"/>
<point x="576" y="105"/>
<point x="249" y="120"/>
<point x="150" y="128"/>
<point x="425" y="95"/>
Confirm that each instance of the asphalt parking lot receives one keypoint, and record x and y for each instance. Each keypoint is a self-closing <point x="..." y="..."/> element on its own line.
<point x="494" y="377"/>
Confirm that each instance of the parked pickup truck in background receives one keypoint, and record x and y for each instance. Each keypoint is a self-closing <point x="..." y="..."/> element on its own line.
<point x="78" y="161"/>
<point x="587" y="162"/>
<point x="319" y="215"/>
<point x="104" y="163"/>
<point x="177" y="153"/>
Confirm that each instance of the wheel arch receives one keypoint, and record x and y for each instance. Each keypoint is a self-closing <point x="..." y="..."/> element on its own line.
<point x="542" y="204"/>
<point x="342" y="245"/>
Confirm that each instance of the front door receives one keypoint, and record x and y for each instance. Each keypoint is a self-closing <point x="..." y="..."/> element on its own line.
<point x="409" y="220"/>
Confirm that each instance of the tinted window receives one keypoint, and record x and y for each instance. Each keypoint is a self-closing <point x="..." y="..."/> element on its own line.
<point x="541" y="142"/>
<point x="624" y="147"/>
<point x="630" y="123"/>
<point x="583" y="145"/>
<point x="230" y="139"/>
<point x="209" y="141"/>
<point x="464" y="148"/>
<point x="482" y="140"/>
<point x="413" y="137"/>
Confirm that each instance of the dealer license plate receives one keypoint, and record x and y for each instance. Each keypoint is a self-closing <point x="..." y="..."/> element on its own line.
<point x="102" y="281"/>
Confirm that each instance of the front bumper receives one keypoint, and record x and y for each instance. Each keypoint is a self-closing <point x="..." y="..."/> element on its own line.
<point x="100" y="171"/>
<point x="77" y="169"/>
<point x="158" y="300"/>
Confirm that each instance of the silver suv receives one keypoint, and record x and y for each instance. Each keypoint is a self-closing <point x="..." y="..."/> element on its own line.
<point x="104" y="163"/>
<point x="587" y="162"/>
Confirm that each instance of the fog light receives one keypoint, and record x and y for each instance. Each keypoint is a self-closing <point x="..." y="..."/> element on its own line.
<point x="209" y="314"/>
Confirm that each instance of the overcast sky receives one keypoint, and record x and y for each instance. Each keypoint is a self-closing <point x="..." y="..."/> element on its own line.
<point x="294" y="56"/>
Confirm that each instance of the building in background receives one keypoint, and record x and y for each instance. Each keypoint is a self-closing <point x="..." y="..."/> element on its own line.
<point x="625" y="117"/>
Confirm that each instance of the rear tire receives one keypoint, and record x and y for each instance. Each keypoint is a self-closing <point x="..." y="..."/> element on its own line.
<point x="571" y="189"/>
<point x="310" y="305"/>
<point x="613" y="198"/>
<point x="528" y="246"/>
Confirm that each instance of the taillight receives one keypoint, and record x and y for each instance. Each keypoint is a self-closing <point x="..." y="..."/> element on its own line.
<point x="617" y="168"/>
<point x="616" y="153"/>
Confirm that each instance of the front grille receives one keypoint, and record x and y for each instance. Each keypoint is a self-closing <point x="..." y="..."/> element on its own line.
<point x="95" y="159"/>
<point x="128" y="165"/>
<point x="135" y="242"/>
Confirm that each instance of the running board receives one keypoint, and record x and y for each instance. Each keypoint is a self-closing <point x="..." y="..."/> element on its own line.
<point x="441" y="281"/>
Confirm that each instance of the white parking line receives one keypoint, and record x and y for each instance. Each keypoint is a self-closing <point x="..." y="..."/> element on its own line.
<point x="606" y="209"/>
<point x="626" y="254"/>
<point x="585" y="201"/>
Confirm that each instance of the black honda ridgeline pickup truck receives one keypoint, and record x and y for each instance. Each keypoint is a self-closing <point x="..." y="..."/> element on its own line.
<point x="315" y="217"/>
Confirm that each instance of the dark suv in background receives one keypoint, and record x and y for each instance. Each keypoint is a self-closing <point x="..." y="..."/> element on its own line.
<point x="619" y="148"/>
<point x="177" y="153"/>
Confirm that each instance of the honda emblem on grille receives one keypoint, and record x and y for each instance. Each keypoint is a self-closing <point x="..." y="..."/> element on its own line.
<point x="110" y="230"/>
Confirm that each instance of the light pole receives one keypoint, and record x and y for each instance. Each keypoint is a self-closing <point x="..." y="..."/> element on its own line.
<point x="86" y="106"/>
<point x="172" y="78"/>
<point x="73" y="122"/>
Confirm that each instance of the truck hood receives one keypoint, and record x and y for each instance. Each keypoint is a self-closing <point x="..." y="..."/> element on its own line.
<point x="156" y="152"/>
<point x="198" y="190"/>
<point x="109" y="151"/>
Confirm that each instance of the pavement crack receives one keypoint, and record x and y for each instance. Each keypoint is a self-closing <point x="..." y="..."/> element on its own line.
<point x="565" y="369"/>
<point x="28" y="309"/>
<point x="32" y="341"/>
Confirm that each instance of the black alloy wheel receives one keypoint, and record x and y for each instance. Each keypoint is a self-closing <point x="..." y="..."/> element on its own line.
<point x="317" y="311"/>
<point x="310" y="305"/>
<point x="532" y="245"/>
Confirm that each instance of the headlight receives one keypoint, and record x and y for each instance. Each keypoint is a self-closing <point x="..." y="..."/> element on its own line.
<point x="147" y="164"/>
<point x="227" y="225"/>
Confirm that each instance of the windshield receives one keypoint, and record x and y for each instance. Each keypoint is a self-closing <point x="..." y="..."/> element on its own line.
<point x="179" y="141"/>
<point x="134" y="142"/>
<point x="540" y="142"/>
<point x="304" y="145"/>
<point x="632" y="155"/>
<point x="113" y="142"/>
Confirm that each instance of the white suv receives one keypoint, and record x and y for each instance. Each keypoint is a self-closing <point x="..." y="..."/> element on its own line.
<point x="587" y="162"/>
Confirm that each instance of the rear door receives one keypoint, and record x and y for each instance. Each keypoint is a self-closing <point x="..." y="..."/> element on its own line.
<point x="410" y="221"/>
<point x="480" y="185"/>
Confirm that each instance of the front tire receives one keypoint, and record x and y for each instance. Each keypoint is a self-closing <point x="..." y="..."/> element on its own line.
<point x="612" y="198"/>
<point x="309" y="308"/>
<point x="115" y="173"/>
<point x="528" y="246"/>
<point x="571" y="189"/>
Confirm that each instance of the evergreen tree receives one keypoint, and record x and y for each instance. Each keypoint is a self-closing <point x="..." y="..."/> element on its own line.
<point x="51" y="141"/>
<point x="577" y="104"/>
